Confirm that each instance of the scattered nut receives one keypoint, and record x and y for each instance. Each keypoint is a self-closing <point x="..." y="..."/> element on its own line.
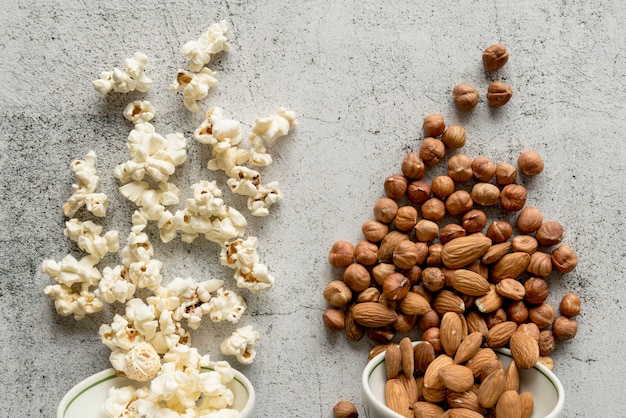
<point x="549" y="233"/>
<point x="454" y="137"/>
<point x="412" y="166"/>
<point x="513" y="197"/>
<point x="484" y="169"/>
<point x="505" y="174"/>
<point x="529" y="219"/>
<point x="465" y="96"/>
<point x="432" y="151"/>
<point x="341" y="254"/>
<point x="530" y="163"/>
<point x="564" y="328"/>
<point x="433" y="125"/>
<point x="570" y="305"/>
<point x="418" y="192"/>
<point x="334" y="319"/>
<point x="498" y="94"/>
<point x="564" y="259"/>
<point x="337" y="293"/>
<point x="345" y="409"/>
<point x="442" y="186"/>
<point x="395" y="186"/>
<point x="460" y="168"/>
<point x="495" y="57"/>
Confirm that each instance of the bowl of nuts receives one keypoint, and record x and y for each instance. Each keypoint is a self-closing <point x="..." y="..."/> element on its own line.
<point x="408" y="379"/>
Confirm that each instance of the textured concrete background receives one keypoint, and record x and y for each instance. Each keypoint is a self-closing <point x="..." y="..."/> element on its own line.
<point x="361" y="76"/>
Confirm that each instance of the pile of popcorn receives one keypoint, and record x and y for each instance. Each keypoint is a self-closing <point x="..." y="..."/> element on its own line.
<point x="150" y="341"/>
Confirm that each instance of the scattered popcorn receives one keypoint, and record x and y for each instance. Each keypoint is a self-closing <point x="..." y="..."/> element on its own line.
<point x="69" y="302"/>
<point x="195" y="86"/>
<point x="244" y="181"/>
<point x="83" y="192"/>
<point x="70" y="271"/>
<point x="215" y="128"/>
<point x="87" y="236"/>
<point x="142" y="362"/>
<point x="151" y="201"/>
<point x="266" y="131"/>
<point x="250" y="272"/>
<point x="139" y="111"/>
<point x="123" y="81"/>
<point x="266" y="196"/>
<point x="138" y="248"/>
<point x="209" y="43"/>
<point x="226" y="305"/>
<point x="114" y="285"/>
<point x="241" y="344"/>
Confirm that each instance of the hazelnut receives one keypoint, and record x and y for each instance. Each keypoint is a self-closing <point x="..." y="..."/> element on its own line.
<point x="432" y="151"/>
<point x="345" y="409"/>
<point x="549" y="233"/>
<point x="485" y="194"/>
<point x="426" y="230"/>
<point x="564" y="328"/>
<point x="374" y="231"/>
<point x="431" y="335"/>
<point x="414" y="274"/>
<point x="542" y="315"/>
<point x="396" y="286"/>
<point x="496" y="317"/>
<point x="337" y="293"/>
<point x="483" y="168"/>
<point x="406" y="218"/>
<point x="524" y="243"/>
<point x="442" y="186"/>
<point x="422" y="250"/>
<point x="357" y="277"/>
<point x="517" y="312"/>
<point x="341" y="254"/>
<point x="454" y="137"/>
<point x="498" y="94"/>
<point x="459" y="202"/>
<point x="495" y="57"/>
<point x="433" y="209"/>
<point x="513" y="197"/>
<point x="505" y="174"/>
<point x="474" y="220"/>
<point x="433" y="279"/>
<point x="412" y="166"/>
<point x="536" y="290"/>
<point x="366" y="253"/>
<point x="434" y="255"/>
<point x="404" y="323"/>
<point x="570" y="305"/>
<point x="531" y="329"/>
<point x="465" y="96"/>
<point x="395" y="186"/>
<point x="450" y="232"/>
<point x="530" y="163"/>
<point x="334" y="319"/>
<point x="388" y="245"/>
<point x="460" y="168"/>
<point x="547" y="343"/>
<point x="499" y="231"/>
<point x="371" y="294"/>
<point x="381" y="271"/>
<point x="381" y="335"/>
<point x="429" y="320"/>
<point x="433" y="125"/>
<point x="564" y="259"/>
<point x="540" y="264"/>
<point x="385" y="210"/>
<point x="418" y="192"/>
<point x="405" y="255"/>
<point x="529" y="219"/>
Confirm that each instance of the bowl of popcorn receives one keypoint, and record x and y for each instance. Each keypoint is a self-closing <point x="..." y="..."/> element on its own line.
<point x="489" y="381"/>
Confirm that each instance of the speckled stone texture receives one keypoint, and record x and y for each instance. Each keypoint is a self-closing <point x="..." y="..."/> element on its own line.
<point x="361" y="75"/>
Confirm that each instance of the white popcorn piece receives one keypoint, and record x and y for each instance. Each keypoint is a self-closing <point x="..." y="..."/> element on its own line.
<point x="139" y="111"/>
<point x="118" y="400"/>
<point x="241" y="344"/>
<point x="138" y="248"/>
<point x="87" y="236"/>
<point x="69" y="302"/>
<point x="151" y="201"/>
<point x="250" y="273"/>
<point x="143" y="317"/>
<point x="142" y="362"/>
<point x="266" y="131"/>
<point x="209" y="43"/>
<point x="119" y="334"/>
<point x="167" y="229"/>
<point x="267" y="195"/>
<point x="195" y="86"/>
<point x="130" y="79"/>
<point x="244" y="181"/>
<point x="226" y="305"/>
<point x="114" y="285"/>
<point x="70" y="271"/>
<point x="215" y="128"/>
<point x="226" y="158"/>
<point x="83" y="191"/>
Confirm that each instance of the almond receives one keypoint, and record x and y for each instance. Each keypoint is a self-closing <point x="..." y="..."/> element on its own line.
<point x="450" y="332"/>
<point x="431" y="376"/>
<point x="396" y="397"/>
<point x="512" y="377"/>
<point x="414" y="304"/>
<point x="377" y="349"/>
<point x="500" y="334"/>
<point x="434" y="395"/>
<point x="509" y="266"/>
<point x="411" y="387"/>
<point x="467" y="400"/>
<point x="495" y="252"/>
<point x="489" y="302"/>
<point x="424" y="354"/>
<point x="461" y="413"/>
<point x="457" y="378"/>
<point x="509" y="405"/>
<point x="478" y="360"/>
<point x="476" y="323"/>
<point x="491" y="388"/>
<point x="462" y="251"/>
<point x="446" y="301"/>
<point x="511" y="288"/>
<point x="393" y="361"/>
<point x="469" y="282"/>
<point x="373" y="314"/>
<point x="524" y="350"/>
<point x="423" y="409"/>
<point x="468" y="347"/>
<point x="528" y="404"/>
<point x="389" y="244"/>
<point x="354" y="331"/>
<point x="407" y="357"/>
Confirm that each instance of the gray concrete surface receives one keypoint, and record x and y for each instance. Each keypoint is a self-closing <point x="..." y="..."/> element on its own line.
<point x="361" y="75"/>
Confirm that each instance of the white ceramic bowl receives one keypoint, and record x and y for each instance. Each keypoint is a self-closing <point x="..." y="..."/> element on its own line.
<point x="546" y="388"/>
<point x="86" y="398"/>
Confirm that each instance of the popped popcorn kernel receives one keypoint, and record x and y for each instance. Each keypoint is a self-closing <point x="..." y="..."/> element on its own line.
<point x="142" y="362"/>
<point x="226" y="305"/>
<point x="87" y="236"/>
<point x="250" y="273"/>
<point x="266" y="131"/>
<point x="83" y="191"/>
<point x="130" y="79"/>
<point x="211" y="42"/>
<point x="195" y="86"/>
<point x="139" y="111"/>
<point x="241" y="344"/>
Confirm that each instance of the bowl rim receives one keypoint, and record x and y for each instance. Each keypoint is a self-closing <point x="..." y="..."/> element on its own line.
<point x="380" y="357"/>
<point x="108" y="374"/>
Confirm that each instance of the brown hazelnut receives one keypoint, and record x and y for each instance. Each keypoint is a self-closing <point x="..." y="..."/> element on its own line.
<point x="433" y="209"/>
<point x="428" y="320"/>
<point x="465" y="96"/>
<point x="334" y="319"/>
<point x="442" y="186"/>
<point x="395" y="186"/>
<point x="433" y="125"/>
<point x="426" y="230"/>
<point x="513" y="197"/>
<point x="431" y="335"/>
<point x="517" y="312"/>
<point x="366" y="253"/>
<point x="434" y="255"/>
<point x="570" y="305"/>
<point x="547" y="343"/>
<point x="374" y="231"/>
<point x="564" y="328"/>
<point x="542" y="315"/>
<point x="414" y="274"/>
<point x="505" y="174"/>
<point x="564" y="259"/>
<point x="413" y="167"/>
<point x="337" y="293"/>
<point x="385" y="210"/>
<point x="388" y="245"/>
<point x="460" y="168"/>
<point x="432" y="151"/>
<point x="483" y="168"/>
<point x="450" y="232"/>
<point x="396" y="286"/>
<point x="459" y="202"/>
<point x="404" y="323"/>
<point x="406" y="218"/>
<point x="531" y="329"/>
<point x="405" y="255"/>
<point x="549" y="233"/>
<point x="495" y="57"/>
<point x="524" y="243"/>
<point x="422" y="250"/>
<point x="536" y="290"/>
<point x="357" y="277"/>
<point x="499" y="231"/>
<point x="496" y="317"/>
<point x="498" y="94"/>
<point x="371" y="294"/>
<point x="474" y="220"/>
<point x="530" y="163"/>
<point x="381" y="270"/>
<point x="540" y="264"/>
<point x="345" y="409"/>
<point x="454" y="137"/>
<point x="341" y="254"/>
<point x="433" y="279"/>
<point x="529" y="219"/>
<point x="418" y="192"/>
<point x="381" y="335"/>
<point x="485" y="194"/>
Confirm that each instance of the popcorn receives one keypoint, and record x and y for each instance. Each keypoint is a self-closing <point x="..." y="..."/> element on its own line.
<point x="215" y="128"/>
<point x="250" y="272"/>
<point x="244" y="181"/>
<point x="130" y="79"/>
<point x="151" y="201"/>
<point x="68" y="302"/>
<point x="241" y="344"/>
<point x="138" y="248"/>
<point x="195" y="86"/>
<point x="266" y="131"/>
<point x="209" y="43"/>
<point x="226" y="305"/>
<point x="83" y="192"/>
<point x="114" y="285"/>
<point x="266" y="195"/>
<point x="142" y="362"/>
<point x="87" y="236"/>
<point x="139" y="111"/>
